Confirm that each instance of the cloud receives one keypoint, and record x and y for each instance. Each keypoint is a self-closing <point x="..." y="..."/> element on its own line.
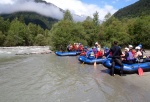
<point x="11" y="6"/>
<point x="80" y="8"/>
<point x="75" y="6"/>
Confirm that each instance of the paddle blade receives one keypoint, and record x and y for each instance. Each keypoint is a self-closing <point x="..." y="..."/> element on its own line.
<point x="140" y="71"/>
<point x="94" y="63"/>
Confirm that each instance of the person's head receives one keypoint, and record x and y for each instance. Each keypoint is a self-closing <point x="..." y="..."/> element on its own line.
<point x="96" y="43"/>
<point x="140" y="45"/>
<point x="137" y="48"/>
<point x="130" y="47"/>
<point x="85" y="47"/>
<point x="90" y="50"/>
<point x="126" y="49"/>
<point x="115" y="43"/>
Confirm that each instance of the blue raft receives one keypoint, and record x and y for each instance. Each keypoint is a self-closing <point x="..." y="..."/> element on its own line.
<point x="67" y="53"/>
<point x="129" y="68"/>
<point x="84" y="59"/>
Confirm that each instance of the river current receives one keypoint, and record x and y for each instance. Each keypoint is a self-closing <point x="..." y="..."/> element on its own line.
<point x="51" y="78"/>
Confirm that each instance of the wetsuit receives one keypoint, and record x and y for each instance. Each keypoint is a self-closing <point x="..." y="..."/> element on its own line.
<point x="116" y="58"/>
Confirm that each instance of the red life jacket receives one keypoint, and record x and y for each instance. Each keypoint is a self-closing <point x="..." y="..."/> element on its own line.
<point x="99" y="54"/>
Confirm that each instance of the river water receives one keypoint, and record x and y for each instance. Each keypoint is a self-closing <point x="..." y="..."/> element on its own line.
<point x="50" y="78"/>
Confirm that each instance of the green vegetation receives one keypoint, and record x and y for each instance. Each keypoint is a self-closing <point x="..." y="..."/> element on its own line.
<point x="31" y="17"/>
<point x="17" y="33"/>
<point x="140" y="8"/>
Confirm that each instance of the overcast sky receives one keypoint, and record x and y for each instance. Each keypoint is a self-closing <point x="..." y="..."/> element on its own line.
<point x="79" y="7"/>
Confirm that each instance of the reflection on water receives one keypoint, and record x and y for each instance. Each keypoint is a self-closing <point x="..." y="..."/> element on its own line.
<point x="50" y="78"/>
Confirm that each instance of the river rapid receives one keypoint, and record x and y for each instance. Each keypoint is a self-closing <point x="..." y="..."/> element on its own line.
<point x="51" y="78"/>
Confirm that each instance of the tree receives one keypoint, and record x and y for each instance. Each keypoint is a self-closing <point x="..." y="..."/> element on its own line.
<point x="2" y="38"/>
<point x="40" y="40"/>
<point x="67" y="16"/>
<point x="140" y="31"/>
<point x="96" y="18"/>
<point x="107" y="16"/>
<point x="66" y="32"/>
<point x="17" y="32"/>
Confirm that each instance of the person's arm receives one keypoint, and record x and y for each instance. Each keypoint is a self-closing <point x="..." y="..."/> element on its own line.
<point x="126" y="55"/>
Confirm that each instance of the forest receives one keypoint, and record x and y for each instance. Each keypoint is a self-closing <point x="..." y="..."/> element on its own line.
<point x="126" y="30"/>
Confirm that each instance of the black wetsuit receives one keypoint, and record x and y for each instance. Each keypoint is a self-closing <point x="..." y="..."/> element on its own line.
<point x="116" y="58"/>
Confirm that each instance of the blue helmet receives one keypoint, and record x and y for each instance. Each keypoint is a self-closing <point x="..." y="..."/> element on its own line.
<point x="85" y="47"/>
<point x="140" y="45"/>
<point x="90" y="50"/>
<point x="106" y="48"/>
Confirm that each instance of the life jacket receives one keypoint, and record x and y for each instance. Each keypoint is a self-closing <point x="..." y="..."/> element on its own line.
<point x="95" y="50"/>
<point x="83" y="53"/>
<point x="99" y="54"/>
<point x="75" y="47"/>
<point x="133" y="52"/>
<point x="80" y="47"/>
<point x="70" y="47"/>
<point x="130" y="57"/>
<point x="110" y="53"/>
<point x="90" y="55"/>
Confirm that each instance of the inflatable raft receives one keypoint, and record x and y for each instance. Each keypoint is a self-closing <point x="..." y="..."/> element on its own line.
<point x="129" y="68"/>
<point x="67" y="53"/>
<point x="84" y="59"/>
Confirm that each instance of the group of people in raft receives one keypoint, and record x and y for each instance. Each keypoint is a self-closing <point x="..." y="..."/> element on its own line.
<point x="129" y="56"/>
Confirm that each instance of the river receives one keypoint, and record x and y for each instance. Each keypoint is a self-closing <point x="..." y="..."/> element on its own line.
<point x="50" y="78"/>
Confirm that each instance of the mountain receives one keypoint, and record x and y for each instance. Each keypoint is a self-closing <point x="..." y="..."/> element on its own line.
<point x="32" y="17"/>
<point x="142" y="7"/>
<point x="38" y="18"/>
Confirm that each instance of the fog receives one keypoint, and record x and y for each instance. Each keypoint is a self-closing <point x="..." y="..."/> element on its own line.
<point x="30" y="5"/>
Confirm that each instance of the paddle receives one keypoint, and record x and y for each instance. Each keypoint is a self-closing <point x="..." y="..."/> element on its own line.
<point x="95" y="61"/>
<point x="140" y="70"/>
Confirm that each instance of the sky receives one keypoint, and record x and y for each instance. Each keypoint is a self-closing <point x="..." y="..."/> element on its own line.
<point x="82" y="8"/>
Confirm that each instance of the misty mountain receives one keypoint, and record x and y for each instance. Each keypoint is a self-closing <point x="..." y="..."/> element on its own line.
<point x="38" y="12"/>
<point x="32" y="17"/>
<point x="142" y="7"/>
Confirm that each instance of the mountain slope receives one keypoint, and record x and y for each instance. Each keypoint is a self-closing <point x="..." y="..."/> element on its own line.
<point x="34" y="17"/>
<point x="142" y="7"/>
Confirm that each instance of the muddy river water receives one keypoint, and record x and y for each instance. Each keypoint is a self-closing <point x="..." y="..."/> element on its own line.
<point x="50" y="78"/>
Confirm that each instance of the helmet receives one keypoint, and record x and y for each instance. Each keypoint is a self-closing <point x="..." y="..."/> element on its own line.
<point x="130" y="46"/>
<point x="106" y="48"/>
<point x="96" y="43"/>
<point x="90" y="50"/>
<point x="140" y="45"/>
<point x="138" y="48"/>
<point x="126" y="48"/>
<point x="85" y="47"/>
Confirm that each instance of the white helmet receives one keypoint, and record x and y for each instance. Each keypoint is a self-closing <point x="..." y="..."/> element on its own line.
<point x="138" y="48"/>
<point x="130" y="46"/>
<point x="126" y="48"/>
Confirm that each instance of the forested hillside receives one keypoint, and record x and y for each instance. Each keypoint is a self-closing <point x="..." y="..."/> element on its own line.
<point x="31" y="17"/>
<point x="140" y="8"/>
